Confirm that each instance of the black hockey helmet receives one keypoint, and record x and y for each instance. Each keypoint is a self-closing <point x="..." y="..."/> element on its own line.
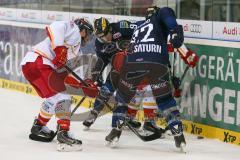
<point x="83" y="23"/>
<point x="101" y="27"/>
<point x="151" y="11"/>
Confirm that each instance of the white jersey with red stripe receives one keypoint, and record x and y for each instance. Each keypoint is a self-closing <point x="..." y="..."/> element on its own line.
<point x="144" y="98"/>
<point x="60" y="33"/>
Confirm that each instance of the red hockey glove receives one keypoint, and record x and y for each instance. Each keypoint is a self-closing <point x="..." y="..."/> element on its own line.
<point x="61" y="56"/>
<point x="91" y="90"/>
<point x="118" y="60"/>
<point x="176" y="82"/>
<point x="177" y="93"/>
<point x="69" y="80"/>
<point x="189" y="57"/>
<point x="170" y="48"/>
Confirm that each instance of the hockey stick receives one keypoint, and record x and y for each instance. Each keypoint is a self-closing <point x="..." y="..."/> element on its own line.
<point x="184" y="74"/>
<point x="151" y="137"/>
<point x="79" y="103"/>
<point x="185" y="70"/>
<point x="75" y="75"/>
<point x="174" y="61"/>
<point x="145" y="138"/>
<point x="154" y="136"/>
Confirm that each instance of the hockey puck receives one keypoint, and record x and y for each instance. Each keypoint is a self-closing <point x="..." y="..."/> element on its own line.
<point x="200" y="137"/>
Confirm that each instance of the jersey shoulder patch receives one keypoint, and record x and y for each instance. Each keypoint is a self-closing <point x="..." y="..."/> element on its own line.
<point x="124" y="24"/>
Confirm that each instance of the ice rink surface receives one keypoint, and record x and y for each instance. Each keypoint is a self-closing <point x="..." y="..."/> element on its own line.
<point x="17" y="112"/>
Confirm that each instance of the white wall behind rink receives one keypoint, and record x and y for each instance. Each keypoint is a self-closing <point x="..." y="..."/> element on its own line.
<point x="224" y="31"/>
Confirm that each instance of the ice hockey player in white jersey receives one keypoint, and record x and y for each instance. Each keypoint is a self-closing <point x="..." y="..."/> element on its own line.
<point x="40" y="67"/>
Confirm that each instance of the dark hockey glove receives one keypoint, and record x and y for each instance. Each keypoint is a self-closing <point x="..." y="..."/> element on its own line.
<point x="176" y="84"/>
<point x="176" y="36"/>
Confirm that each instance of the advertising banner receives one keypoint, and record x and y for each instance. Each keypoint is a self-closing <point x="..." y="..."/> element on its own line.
<point x="51" y="16"/>
<point x="193" y="28"/>
<point x="226" y="31"/>
<point x="211" y="91"/>
<point x="8" y="13"/>
<point x="15" y="42"/>
<point x="27" y="15"/>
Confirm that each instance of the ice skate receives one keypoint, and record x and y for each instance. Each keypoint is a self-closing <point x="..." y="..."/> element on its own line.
<point x="90" y="120"/>
<point x="66" y="143"/>
<point x="41" y="133"/>
<point x="177" y="131"/>
<point x="113" y="137"/>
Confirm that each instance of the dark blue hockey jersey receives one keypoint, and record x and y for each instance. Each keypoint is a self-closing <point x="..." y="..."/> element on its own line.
<point x="121" y="31"/>
<point x="149" y="41"/>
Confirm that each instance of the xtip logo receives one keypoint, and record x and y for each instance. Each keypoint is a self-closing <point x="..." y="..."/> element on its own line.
<point x="196" y="130"/>
<point x="229" y="138"/>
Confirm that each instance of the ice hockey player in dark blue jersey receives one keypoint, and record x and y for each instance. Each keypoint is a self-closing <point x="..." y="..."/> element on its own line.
<point x="147" y="64"/>
<point x="111" y="38"/>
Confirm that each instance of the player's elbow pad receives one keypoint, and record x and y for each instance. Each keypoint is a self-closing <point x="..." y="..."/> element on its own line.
<point x="176" y="36"/>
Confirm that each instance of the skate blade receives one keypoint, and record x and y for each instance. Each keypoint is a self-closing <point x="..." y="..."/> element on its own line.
<point x="86" y="128"/>
<point x="40" y="138"/>
<point x="63" y="147"/>
<point x="113" y="143"/>
<point x="163" y="136"/>
<point x="183" y="148"/>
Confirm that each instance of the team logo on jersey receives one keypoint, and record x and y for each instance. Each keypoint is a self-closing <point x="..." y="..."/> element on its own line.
<point x="124" y="24"/>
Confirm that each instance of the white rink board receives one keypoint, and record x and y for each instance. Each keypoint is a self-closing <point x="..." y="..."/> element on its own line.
<point x="19" y="109"/>
<point x="227" y="31"/>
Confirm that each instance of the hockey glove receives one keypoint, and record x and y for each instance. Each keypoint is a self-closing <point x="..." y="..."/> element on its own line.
<point x="176" y="36"/>
<point x="118" y="61"/>
<point x="91" y="90"/>
<point x="176" y="84"/>
<point x="188" y="56"/>
<point x="170" y="48"/>
<point x="61" y="56"/>
<point x="69" y="80"/>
